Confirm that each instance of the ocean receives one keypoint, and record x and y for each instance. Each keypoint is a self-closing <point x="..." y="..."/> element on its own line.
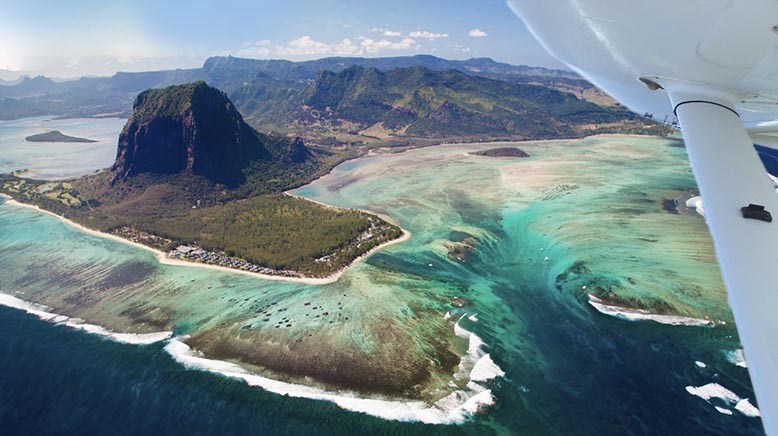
<point x="521" y="241"/>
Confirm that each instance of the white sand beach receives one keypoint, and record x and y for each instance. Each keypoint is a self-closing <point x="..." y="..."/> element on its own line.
<point x="163" y="258"/>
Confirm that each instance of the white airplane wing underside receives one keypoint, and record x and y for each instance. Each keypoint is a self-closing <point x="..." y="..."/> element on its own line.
<point x="714" y="65"/>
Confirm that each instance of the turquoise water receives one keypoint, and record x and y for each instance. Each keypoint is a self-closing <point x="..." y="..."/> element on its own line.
<point x="58" y="160"/>
<point x="569" y="369"/>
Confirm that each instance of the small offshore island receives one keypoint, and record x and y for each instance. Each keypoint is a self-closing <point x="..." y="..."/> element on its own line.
<point x="502" y="152"/>
<point x="55" y="136"/>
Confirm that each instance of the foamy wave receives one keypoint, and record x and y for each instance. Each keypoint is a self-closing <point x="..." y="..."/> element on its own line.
<point x="643" y="315"/>
<point x="715" y="390"/>
<point x="42" y="312"/>
<point x="746" y="408"/>
<point x="476" y="365"/>
<point x="723" y="410"/>
<point x="736" y="357"/>
<point x="485" y="369"/>
<point x="696" y="203"/>
<point x="455" y="408"/>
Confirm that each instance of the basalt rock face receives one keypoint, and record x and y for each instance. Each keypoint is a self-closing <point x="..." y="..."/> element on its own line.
<point x="193" y="128"/>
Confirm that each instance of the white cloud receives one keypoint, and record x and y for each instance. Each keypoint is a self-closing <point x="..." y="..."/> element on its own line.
<point x="427" y="35"/>
<point x="370" y="46"/>
<point x="385" y="32"/>
<point x="256" y="49"/>
<point x="477" y="33"/>
<point x="306" y="46"/>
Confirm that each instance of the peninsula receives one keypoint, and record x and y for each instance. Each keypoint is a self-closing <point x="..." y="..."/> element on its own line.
<point x="193" y="180"/>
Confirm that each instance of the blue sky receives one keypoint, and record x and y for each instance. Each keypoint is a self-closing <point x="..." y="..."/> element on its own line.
<point x="101" y="37"/>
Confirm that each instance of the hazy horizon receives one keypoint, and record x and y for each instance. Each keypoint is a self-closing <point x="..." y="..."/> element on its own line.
<point x="13" y="76"/>
<point x="100" y="39"/>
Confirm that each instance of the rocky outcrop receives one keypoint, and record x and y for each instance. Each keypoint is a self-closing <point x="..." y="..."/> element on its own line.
<point x="193" y="128"/>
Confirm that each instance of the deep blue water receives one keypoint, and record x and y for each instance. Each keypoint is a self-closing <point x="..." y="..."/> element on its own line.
<point x="56" y="381"/>
<point x="59" y="381"/>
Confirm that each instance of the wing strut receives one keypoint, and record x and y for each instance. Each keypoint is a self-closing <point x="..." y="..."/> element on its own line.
<point x="731" y="177"/>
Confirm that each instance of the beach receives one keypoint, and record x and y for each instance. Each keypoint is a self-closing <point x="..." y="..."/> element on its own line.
<point x="164" y="259"/>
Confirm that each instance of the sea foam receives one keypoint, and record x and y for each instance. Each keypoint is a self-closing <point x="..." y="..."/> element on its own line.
<point x="736" y="357"/>
<point x="715" y="390"/>
<point x="643" y="315"/>
<point x="43" y="313"/>
<point x="454" y="408"/>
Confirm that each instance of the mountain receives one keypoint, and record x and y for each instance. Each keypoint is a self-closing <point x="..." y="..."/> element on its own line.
<point x="191" y="127"/>
<point x="190" y="171"/>
<point x="101" y="96"/>
<point x="425" y="103"/>
<point x="194" y="128"/>
<point x="215" y="67"/>
<point x="30" y="87"/>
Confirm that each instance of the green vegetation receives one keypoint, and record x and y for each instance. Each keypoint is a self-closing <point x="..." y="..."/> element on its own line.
<point x="502" y="152"/>
<point x="190" y="171"/>
<point x="416" y="102"/>
<point x="276" y="231"/>
<point x="402" y="101"/>
<point x="55" y="136"/>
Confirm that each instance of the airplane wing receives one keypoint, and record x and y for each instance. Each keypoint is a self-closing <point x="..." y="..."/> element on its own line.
<point x="714" y="65"/>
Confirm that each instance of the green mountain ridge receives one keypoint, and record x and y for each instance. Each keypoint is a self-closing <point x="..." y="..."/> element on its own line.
<point x="100" y="96"/>
<point x="419" y="102"/>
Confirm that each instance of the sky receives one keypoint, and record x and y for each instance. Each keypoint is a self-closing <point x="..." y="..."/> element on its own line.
<point x="100" y="37"/>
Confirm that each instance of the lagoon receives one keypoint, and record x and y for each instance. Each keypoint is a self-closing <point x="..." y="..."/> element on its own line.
<point x="512" y="241"/>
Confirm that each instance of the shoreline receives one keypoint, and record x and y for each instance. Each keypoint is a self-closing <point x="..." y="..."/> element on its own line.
<point x="43" y="313"/>
<point x="163" y="259"/>
<point x="631" y="314"/>
<point x="457" y="407"/>
<point x="405" y="148"/>
<point x="389" y="149"/>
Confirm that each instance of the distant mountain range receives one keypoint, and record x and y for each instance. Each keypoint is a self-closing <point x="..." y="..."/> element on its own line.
<point x="98" y="95"/>
<point x="357" y="100"/>
<point x="420" y="102"/>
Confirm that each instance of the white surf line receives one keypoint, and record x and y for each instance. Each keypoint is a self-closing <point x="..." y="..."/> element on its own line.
<point x="736" y="357"/>
<point x="43" y="313"/>
<point x="696" y="203"/>
<point x="630" y="314"/>
<point x="715" y="390"/>
<point x="477" y="364"/>
<point x="455" y="408"/>
<point x="165" y="260"/>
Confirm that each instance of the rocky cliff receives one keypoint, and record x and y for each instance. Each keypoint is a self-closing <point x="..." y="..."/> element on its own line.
<point x="195" y="128"/>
